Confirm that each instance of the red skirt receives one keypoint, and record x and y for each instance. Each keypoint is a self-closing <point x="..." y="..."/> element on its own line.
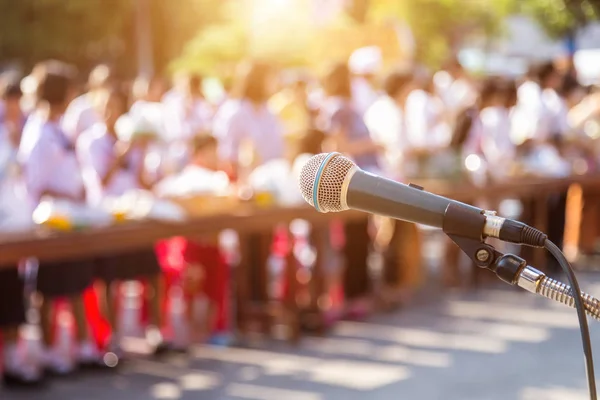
<point x="180" y="257"/>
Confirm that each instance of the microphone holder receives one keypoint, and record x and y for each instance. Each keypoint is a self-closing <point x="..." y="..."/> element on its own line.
<point x="515" y="271"/>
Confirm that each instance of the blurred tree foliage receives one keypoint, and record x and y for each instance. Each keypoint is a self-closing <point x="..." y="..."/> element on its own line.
<point x="438" y="26"/>
<point x="248" y="31"/>
<point x="85" y="32"/>
<point x="77" y="31"/>
<point x="561" y="17"/>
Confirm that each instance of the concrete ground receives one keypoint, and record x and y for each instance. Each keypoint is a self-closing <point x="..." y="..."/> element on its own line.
<point x="491" y="344"/>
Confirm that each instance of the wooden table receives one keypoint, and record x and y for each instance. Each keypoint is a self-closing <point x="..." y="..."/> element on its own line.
<point x="49" y="245"/>
<point x="54" y="245"/>
<point x="130" y="236"/>
<point x="535" y="188"/>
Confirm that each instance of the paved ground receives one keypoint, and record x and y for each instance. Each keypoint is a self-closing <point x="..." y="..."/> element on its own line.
<point x="493" y="344"/>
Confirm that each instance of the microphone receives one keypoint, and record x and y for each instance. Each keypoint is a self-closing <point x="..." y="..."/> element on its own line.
<point x="333" y="183"/>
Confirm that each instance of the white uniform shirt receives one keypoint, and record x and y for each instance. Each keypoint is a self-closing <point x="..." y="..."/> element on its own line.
<point x="50" y="161"/>
<point x="385" y="121"/>
<point x="363" y="95"/>
<point x="79" y="116"/>
<point x="187" y="119"/>
<point x="424" y="126"/>
<point x="496" y="145"/>
<point x="238" y="121"/>
<point x="95" y="151"/>
<point x="15" y="211"/>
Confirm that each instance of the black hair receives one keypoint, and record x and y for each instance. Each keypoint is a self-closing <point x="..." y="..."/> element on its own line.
<point x="251" y="82"/>
<point x="544" y="71"/>
<point x="120" y="94"/>
<point x="396" y="82"/>
<point x="54" y="84"/>
<point x="568" y="86"/>
<point x="509" y="90"/>
<point x="202" y="142"/>
<point x="196" y="80"/>
<point x="337" y="81"/>
<point x="489" y="88"/>
<point x="11" y="90"/>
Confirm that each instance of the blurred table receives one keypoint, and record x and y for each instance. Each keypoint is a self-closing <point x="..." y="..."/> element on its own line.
<point x="47" y="245"/>
<point x="536" y="189"/>
<point x="51" y="245"/>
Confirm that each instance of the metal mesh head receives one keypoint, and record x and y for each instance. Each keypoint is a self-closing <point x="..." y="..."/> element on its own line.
<point x="329" y="184"/>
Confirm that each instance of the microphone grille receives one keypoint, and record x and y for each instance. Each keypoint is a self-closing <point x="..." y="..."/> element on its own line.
<point x="325" y="173"/>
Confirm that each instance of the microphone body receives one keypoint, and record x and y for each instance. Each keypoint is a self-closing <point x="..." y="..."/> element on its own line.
<point x="332" y="183"/>
<point x="377" y="195"/>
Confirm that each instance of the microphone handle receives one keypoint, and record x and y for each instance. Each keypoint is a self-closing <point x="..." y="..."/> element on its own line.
<point x="377" y="195"/>
<point x="374" y="194"/>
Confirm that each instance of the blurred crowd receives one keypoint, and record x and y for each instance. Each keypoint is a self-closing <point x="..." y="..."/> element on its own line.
<point x="82" y="144"/>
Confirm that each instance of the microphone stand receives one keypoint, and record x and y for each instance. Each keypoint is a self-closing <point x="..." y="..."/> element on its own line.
<point x="468" y="227"/>
<point x="515" y="271"/>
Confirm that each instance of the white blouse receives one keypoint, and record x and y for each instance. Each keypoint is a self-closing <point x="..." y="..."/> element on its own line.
<point x="50" y="161"/>
<point x="95" y="151"/>
<point x="424" y="124"/>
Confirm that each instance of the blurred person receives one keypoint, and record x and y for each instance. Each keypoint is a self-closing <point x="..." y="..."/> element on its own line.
<point x="364" y="64"/>
<point x="187" y="114"/>
<point x="82" y="112"/>
<point x="13" y="117"/>
<point x="346" y="130"/>
<point x="197" y="264"/>
<point x="148" y="90"/>
<point x="291" y="105"/>
<point x="454" y="86"/>
<point x="30" y="99"/>
<point x="112" y="166"/>
<point x="249" y="134"/>
<point x="347" y="133"/>
<point x="495" y="117"/>
<point x="149" y="109"/>
<point x="246" y="119"/>
<point x="385" y="120"/>
<point x="17" y="366"/>
<point x="552" y="120"/>
<point x="539" y="107"/>
<point x="528" y="106"/>
<point x="179" y="86"/>
<point x="428" y="127"/>
<point x="51" y="170"/>
<point x="30" y="83"/>
<point x="188" y="110"/>
<point x="400" y="240"/>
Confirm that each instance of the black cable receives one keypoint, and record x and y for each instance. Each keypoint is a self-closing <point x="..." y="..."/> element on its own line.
<point x="583" y="324"/>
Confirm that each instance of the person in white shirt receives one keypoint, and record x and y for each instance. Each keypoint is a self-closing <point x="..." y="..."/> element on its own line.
<point x="249" y="133"/>
<point x="364" y="64"/>
<point x="187" y="110"/>
<point x="51" y="169"/>
<point x="386" y="123"/>
<point x="17" y="367"/>
<point x="385" y="120"/>
<point x="110" y="168"/>
<point x="427" y="123"/>
<point x="455" y="87"/>
<point x="537" y="113"/>
<point x="187" y="114"/>
<point x="148" y="106"/>
<point x="497" y="146"/>
<point x="82" y="112"/>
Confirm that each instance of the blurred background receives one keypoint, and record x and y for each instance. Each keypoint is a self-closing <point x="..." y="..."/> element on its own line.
<point x="154" y="243"/>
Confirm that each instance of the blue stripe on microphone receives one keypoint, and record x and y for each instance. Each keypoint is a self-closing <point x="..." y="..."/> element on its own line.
<point x="318" y="179"/>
